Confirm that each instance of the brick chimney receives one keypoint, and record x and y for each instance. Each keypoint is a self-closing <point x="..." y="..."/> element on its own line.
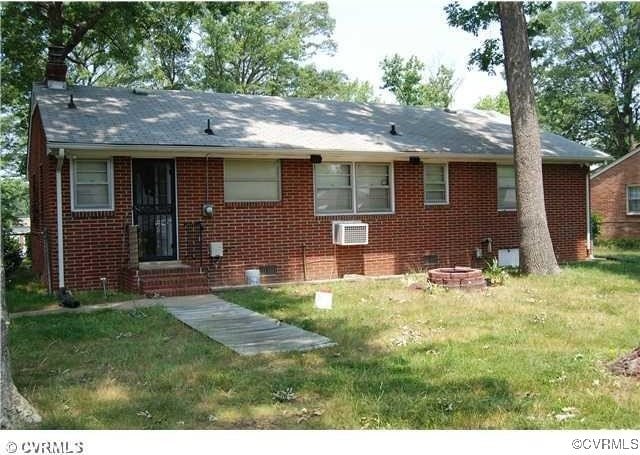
<point x="56" y="74"/>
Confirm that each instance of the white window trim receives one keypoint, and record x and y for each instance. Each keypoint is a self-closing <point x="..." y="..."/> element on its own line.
<point x="446" y="183"/>
<point x="498" y="188"/>
<point x="239" y="201"/>
<point x="354" y="203"/>
<point x="110" y="183"/>
<point x="628" y="198"/>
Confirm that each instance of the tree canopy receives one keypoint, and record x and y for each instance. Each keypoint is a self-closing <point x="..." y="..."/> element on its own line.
<point x="497" y="103"/>
<point x="404" y="78"/>
<point x="258" y="47"/>
<point x="309" y="82"/>
<point x="480" y="17"/>
<point x="588" y="83"/>
<point x="586" y="59"/>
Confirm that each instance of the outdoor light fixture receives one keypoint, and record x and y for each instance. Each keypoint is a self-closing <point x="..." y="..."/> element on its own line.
<point x="316" y="159"/>
<point x="414" y="160"/>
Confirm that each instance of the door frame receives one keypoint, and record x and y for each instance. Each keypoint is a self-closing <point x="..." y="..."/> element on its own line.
<point x="176" y="230"/>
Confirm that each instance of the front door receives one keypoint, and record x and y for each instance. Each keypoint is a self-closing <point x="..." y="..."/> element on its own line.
<point x="154" y="209"/>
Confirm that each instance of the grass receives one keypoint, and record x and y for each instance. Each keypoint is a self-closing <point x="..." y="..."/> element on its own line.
<point x="26" y="293"/>
<point x="529" y="354"/>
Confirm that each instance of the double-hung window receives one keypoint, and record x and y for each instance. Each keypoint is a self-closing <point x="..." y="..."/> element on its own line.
<point x="633" y="200"/>
<point x="91" y="185"/>
<point x="343" y="188"/>
<point x="506" y="188"/>
<point x="436" y="184"/>
<point x="251" y="180"/>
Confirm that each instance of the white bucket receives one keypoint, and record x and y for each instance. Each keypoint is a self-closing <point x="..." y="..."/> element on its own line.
<point x="252" y="276"/>
<point x="324" y="300"/>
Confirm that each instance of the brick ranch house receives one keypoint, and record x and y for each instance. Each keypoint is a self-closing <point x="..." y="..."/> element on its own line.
<point x="615" y="194"/>
<point x="175" y="192"/>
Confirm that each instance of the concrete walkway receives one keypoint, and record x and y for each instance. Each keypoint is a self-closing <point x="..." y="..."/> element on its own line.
<point x="242" y="330"/>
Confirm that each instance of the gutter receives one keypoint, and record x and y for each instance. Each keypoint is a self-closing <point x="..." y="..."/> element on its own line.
<point x="59" y="155"/>
<point x="157" y="151"/>
<point x="588" y="211"/>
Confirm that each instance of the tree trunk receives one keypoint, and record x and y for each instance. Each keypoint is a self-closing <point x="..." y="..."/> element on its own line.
<point x="15" y="410"/>
<point x="536" y="250"/>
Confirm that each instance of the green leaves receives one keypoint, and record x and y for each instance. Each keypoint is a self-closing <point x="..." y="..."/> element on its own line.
<point x="588" y="84"/>
<point x="404" y="80"/>
<point x="481" y="17"/>
<point x="309" y="82"/>
<point x="258" y="47"/>
<point x="586" y="60"/>
<point x="498" y="103"/>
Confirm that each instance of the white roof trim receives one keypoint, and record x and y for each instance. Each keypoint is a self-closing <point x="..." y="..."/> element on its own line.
<point x="221" y="152"/>
<point x="604" y="169"/>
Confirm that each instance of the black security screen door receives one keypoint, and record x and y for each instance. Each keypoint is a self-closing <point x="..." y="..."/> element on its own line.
<point x="154" y="209"/>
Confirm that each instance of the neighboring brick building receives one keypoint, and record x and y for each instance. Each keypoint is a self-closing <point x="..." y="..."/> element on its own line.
<point x="148" y="181"/>
<point x="615" y="194"/>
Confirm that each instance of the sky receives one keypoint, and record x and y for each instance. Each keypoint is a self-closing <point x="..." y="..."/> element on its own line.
<point x="368" y="30"/>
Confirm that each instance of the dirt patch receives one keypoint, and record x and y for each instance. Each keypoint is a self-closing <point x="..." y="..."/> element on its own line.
<point x="629" y="365"/>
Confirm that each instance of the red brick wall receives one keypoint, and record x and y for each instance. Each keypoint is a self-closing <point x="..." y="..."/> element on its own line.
<point x="283" y="233"/>
<point x="609" y="199"/>
<point x="95" y="243"/>
<point x="41" y="170"/>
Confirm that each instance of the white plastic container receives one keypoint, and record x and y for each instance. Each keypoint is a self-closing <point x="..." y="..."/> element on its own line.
<point x="324" y="300"/>
<point x="252" y="276"/>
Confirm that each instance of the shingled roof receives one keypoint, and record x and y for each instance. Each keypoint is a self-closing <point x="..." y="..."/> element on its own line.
<point x="121" y="117"/>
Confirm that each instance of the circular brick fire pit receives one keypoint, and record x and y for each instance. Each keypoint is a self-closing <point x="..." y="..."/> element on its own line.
<point x="458" y="277"/>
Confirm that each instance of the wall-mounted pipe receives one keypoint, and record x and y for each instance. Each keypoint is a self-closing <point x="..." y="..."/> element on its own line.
<point x="59" y="155"/>
<point x="588" y="211"/>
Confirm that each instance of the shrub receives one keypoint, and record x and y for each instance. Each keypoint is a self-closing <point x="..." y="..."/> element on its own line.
<point x="596" y="226"/>
<point x="621" y="244"/>
<point x="11" y="253"/>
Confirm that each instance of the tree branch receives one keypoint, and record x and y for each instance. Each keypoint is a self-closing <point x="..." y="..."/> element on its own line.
<point x="83" y="27"/>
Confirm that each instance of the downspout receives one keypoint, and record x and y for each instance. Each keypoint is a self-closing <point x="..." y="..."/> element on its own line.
<point x="59" y="155"/>
<point x="588" y="211"/>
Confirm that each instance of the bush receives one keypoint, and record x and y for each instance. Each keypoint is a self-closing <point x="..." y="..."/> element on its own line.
<point x="11" y="254"/>
<point x="596" y="226"/>
<point x="621" y="244"/>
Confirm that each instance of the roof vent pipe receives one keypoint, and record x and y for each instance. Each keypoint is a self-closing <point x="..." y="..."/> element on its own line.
<point x="393" y="131"/>
<point x="71" y="104"/>
<point x="209" y="131"/>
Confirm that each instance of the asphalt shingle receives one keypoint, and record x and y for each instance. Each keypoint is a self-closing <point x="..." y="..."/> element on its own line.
<point x="118" y="116"/>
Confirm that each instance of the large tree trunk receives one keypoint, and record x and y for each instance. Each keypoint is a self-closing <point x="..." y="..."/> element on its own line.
<point x="15" y="410"/>
<point x="536" y="249"/>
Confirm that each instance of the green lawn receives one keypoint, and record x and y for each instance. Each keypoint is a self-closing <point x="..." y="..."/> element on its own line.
<point x="530" y="354"/>
<point x="26" y="293"/>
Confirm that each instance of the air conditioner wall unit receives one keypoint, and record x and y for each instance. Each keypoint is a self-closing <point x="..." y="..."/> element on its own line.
<point x="350" y="233"/>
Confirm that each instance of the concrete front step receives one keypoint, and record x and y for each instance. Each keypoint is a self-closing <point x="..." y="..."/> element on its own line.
<point x="187" y="280"/>
<point x="168" y="280"/>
